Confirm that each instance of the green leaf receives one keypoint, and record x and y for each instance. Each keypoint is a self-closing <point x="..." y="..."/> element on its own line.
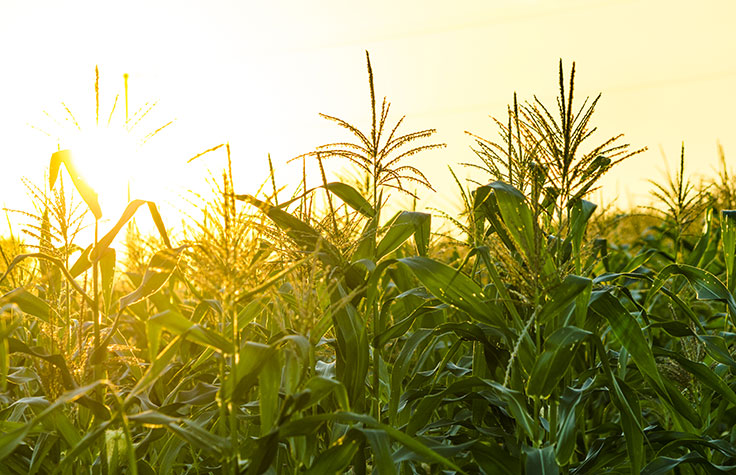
<point x="728" y="230"/>
<point x="454" y="288"/>
<point x="402" y="226"/>
<point x="107" y="274"/>
<point x="159" y="269"/>
<point x="56" y="262"/>
<point x="702" y="372"/>
<point x="707" y="286"/>
<point x="629" y="334"/>
<point x="366" y="248"/>
<point x="541" y="461"/>
<point x="381" y="445"/>
<point x="485" y="205"/>
<point x="252" y="358"/>
<point x="310" y="424"/>
<point x="705" y="248"/>
<point x="303" y="234"/>
<point x="319" y="387"/>
<point x="567" y="429"/>
<point x="269" y="379"/>
<point x="178" y="324"/>
<point x="10" y="441"/>
<point x="401" y="327"/>
<point x="718" y="349"/>
<point x="519" y="222"/>
<point x="552" y="365"/>
<point x="639" y="260"/>
<point x="263" y="453"/>
<point x="514" y="400"/>
<point x="400" y="367"/>
<point x="631" y="422"/>
<point x="418" y="448"/>
<point x="666" y="465"/>
<point x="562" y="296"/>
<point x="352" y="198"/>
<point x="186" y="429"/>
<point x="67" y="380"/>
<point x="581" y="212"/>
<point x="352" y="358"/>
<point x="82" y="263"/>
<point x="27" y="303"/>
<point x="84" y="445"/>
<point x="88" y="194"/>
<point x="107" y="239"/>
<point x="337" y="457"/>
<point x="155" y="370"/>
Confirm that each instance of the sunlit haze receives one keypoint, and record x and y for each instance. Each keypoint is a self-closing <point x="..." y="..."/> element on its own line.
<point x="256" y="74"/>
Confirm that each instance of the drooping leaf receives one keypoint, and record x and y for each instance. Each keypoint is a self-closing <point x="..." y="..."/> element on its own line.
<point x="485" y="206"/>
<point x="27" y="303"/>
<point x="319" y="387"/>
<point x="402" y="226"/>
<point x="10" y="441"/>
<point x="455" y="288"/>
<point x="707" y="286"/>
<point x="56" y="262"/>
<point x="178" y="324"/>
<point x="158" y="365"/>
<point x="338" y="456"/>
<point x="702" y="372"/>
<point x="159" y="270"/>
<point x="303" y="234"/>
<point x="88" y="194"/>
<point x="310" y="424"/>
<point x="188" y="430"/>
<point x="352" y="198"/>
<point x="106" y="240"/>
<point x="666" y="465"/>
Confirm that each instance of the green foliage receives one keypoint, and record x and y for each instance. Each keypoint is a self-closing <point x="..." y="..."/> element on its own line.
<point x="280" y="337"/>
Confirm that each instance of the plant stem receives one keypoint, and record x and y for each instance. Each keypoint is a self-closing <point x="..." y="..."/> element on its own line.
<point x="96" y="318"/>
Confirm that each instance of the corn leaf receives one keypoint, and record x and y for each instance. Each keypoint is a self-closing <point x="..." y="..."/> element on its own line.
<point x="88" y="194"/>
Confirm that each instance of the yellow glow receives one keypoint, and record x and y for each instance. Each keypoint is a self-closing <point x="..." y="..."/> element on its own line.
<point x="256" y="74"/>
<point x="107" y="158"/>
<point x="119" y="168"/>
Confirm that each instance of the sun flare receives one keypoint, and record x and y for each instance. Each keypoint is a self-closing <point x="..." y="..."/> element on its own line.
<point x="107" y="158"/>
<point x="109" y="150"/>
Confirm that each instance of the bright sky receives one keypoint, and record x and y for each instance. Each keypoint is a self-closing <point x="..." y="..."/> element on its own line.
<point x="257" y="74"/>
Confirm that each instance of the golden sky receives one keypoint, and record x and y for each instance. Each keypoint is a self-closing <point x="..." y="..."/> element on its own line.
<point x="257" y="74"/>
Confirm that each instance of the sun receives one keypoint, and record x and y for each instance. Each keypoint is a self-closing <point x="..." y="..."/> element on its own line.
<point x="109" y="149"/>
<point x="107" y="158"/>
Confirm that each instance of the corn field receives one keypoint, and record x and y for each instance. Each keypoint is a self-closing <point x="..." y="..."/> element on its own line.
<point x="318" y="330"/>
